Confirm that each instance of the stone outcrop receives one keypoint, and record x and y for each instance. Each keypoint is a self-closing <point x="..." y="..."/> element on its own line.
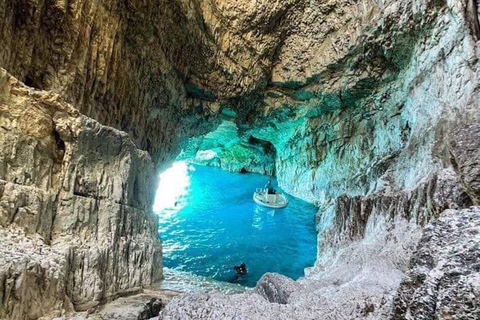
<point x="276" y="288"/>
<point x="443" y="281"/>
<point x="32" y="277"/>
<point x="143" y="306"/>
<point x="351" y="215"/>
<point x="465" y="150"/>
<point x="79" y="195"/>
<point x="440" y="284"/>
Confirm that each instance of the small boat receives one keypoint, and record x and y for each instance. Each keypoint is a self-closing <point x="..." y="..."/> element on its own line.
<point x="275" y="201"/>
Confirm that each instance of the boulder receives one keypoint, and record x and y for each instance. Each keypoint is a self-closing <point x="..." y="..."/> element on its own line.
<point x="276" y="287"/>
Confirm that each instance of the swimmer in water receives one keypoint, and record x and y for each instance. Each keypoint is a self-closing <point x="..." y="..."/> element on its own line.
<point x="241" y="269"/>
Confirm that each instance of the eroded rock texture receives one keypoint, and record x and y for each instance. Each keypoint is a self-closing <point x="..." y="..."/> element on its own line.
<point x="440" y="284"/>
<point x="79" y="195"/>
<point x="465" y="150"/>
<point x="121" y="63"/>
<point x="368" y="108"/>
<point x="443" y="281"/>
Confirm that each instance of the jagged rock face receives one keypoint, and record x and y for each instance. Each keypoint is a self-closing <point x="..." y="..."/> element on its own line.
<point x="444" y="283"/>
<point x="276" y="288"/>
<point x="82" y="192"/>
<point x="113" y="60"/>
<point x="357" y="98"/>
<point x="225" y="149"/>
<point x="32" y="276"/>
<point x="465" y="150"/>
<point x="441" y="284"/>
<point x="419" y="206"/>
<point x="394" y="135"/>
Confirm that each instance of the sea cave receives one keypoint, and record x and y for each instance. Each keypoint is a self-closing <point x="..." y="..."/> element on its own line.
<point x="210" y="159"/>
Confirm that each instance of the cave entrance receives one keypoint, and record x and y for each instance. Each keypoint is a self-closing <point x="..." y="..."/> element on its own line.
<point x="209" y="223"/>
<point x="227" y="149"/>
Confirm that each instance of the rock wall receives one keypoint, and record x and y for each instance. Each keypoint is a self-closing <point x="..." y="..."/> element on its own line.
<point x="226" y="149"/>
<point x="393" y="135"/>
<point x="78" y="195"/>
<point x="117" y="62"/>
<point x="443" y="284"/>
<point x="370" y="108"/>
<point x="381" y="134"/>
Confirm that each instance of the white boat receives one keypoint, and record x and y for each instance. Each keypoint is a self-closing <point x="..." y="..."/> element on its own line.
<point x="275" y="201"/>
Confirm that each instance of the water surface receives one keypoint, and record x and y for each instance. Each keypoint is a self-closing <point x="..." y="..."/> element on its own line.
<point x="209" y="223"/>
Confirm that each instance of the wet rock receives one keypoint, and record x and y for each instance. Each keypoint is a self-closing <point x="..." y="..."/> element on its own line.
<point x="276" y="288"/>
<point x="443" y="281"/>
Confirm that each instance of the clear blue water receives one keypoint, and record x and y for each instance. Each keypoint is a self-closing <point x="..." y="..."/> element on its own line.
<point x="209" y="223"/>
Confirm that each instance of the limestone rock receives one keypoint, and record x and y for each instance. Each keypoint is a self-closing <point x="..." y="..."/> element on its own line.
<point x="32" y="277"/>
<point x="465" y="150"/>
<point x="276" y="288"/>
<point x="140" y="307"/>
<point x="357" y="98"/>
<point x="85" y="192"/>
<point x="443" y="281"/>
<point x="114" y="61"/>
<point x="439" y="192"/>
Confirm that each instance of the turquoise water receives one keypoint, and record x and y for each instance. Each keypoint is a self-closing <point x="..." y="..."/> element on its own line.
<point x="209" y="223"/>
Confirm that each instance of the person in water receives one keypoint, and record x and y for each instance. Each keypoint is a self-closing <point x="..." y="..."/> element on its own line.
<point x="269" y="187"/>
<point x="241" y="269"/>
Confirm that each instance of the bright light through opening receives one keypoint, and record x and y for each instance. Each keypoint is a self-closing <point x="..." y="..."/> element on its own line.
<point x="172" y="188"/>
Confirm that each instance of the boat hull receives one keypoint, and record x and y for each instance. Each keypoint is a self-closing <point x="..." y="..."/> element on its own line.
<point x="259" y="199"/>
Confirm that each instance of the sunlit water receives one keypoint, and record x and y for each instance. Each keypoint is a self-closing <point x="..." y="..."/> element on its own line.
<point x="209" y="223"/>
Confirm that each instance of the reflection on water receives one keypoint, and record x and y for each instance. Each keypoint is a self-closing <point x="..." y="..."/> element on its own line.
<point x="209" y="223"/>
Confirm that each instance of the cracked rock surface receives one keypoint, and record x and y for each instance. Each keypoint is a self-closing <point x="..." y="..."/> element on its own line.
<point x="78" y="195"/>
<point x="443" y="280"/>
<point x="369" y="109"/>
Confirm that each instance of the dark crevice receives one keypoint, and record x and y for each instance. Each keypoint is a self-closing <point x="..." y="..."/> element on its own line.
<point x="60" y="146"/>
<point x="30" y="82"/>
<point x="136" y="193"/>
<point x="473" y="18"/>
<point x="15" y="212"/>
<point x="267" y="146"/>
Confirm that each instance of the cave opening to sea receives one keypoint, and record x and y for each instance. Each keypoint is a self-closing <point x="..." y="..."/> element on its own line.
<point x="209" y="223"/>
